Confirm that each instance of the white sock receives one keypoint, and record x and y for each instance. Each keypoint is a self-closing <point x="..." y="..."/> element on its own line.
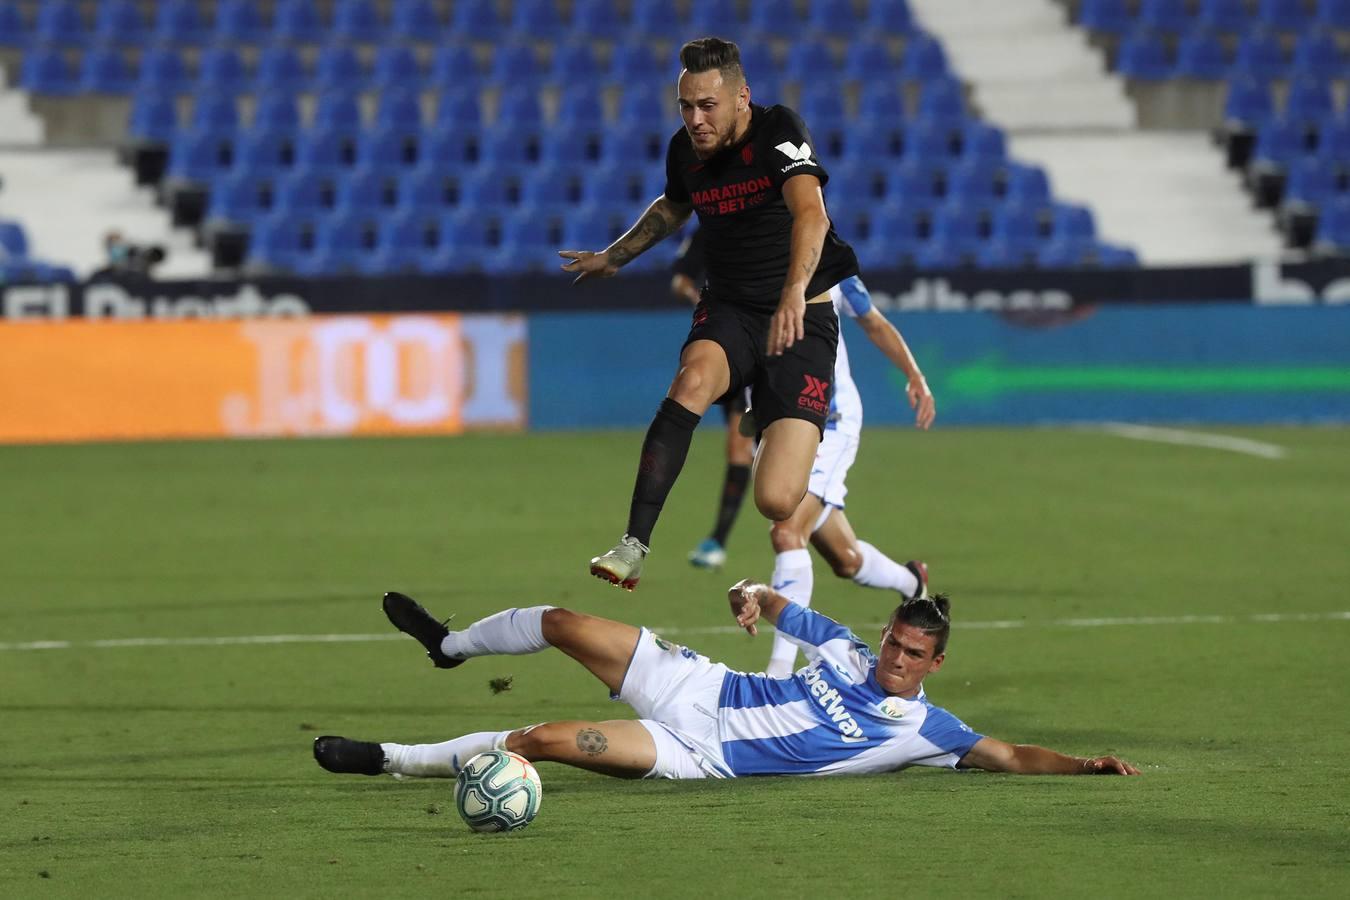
<point x="793" y="578"/>
<point x="442" y="760"/>
<point x="509" y="632"/>
<point x="880" y="571"/>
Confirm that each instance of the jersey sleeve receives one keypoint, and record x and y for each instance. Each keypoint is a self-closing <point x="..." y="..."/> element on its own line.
<point x="675" y="187"/>
<point x="857" y="302"/>
<point x="791" y="150"/>
<point x="821" y="637"/>
<point x="948" y="737"/>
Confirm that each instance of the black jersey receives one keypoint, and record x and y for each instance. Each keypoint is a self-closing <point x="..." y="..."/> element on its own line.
<point x="738" y="196"/>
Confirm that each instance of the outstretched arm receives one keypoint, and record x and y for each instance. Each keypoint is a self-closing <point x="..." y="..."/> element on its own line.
<point x="888" y="340"/>
<point x="662" y="219"/>
<point x="1028" y="759"/>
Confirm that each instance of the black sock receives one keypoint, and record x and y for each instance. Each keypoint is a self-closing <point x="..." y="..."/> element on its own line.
<point x="663" y="454"/>
<point x="733" y="492"/>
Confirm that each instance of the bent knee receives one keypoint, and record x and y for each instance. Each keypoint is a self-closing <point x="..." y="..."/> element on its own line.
<point x="846" y="568"/>
<point x="535" y="742"/>
<point x="785" y="537"/>
<point x="777" y="507"/>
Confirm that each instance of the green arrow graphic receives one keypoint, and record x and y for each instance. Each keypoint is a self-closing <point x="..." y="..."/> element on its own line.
<point x="988" y="378"/>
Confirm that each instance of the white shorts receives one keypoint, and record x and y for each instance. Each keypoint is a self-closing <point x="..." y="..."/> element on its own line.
<point x="834" y="457"/>
<point x="675" y="693"/>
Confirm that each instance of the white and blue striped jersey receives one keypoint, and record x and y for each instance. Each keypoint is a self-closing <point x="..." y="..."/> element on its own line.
<point x="850" y="299"/>
<point x="831" y="717"/>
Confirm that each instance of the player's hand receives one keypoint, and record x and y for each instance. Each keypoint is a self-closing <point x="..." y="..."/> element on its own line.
<point x="587" y="264"/>
<point x="921" y="401"/>
<point x="788" y="323"/>
<point x="744" y="596"/>
<point x="1108" y="765"/>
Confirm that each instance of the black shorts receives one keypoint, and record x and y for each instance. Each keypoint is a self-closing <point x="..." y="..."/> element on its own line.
<point x="796" y="385"/>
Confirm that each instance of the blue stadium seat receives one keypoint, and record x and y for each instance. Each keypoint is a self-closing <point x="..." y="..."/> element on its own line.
<point x="1143" y="57"/>
<point x="1278" y="142"/>
<point x="1114" y="256"/>
<point x="452" y="146"/>
<point x="519" y="107"/>
<point x="13" y="239"/>
<point x="589" y="227"/>
<point x="1169" y="16"/>
<point x="1001" y="254"/>
<point x="367" y="190"/>
<point x="881" y="102"/>
<point x="625" y="185"/>
<point x="975" y="181"/>
<point x="1248" y="101"/>
<point x="874" y="142"/>
<point x="239" y="22"/>
<point x="579" y="109"/>
<point x="1027" y="185"/>
<point x="1333" y="226"/>
<point x="758" y="62"/>
<point x="179" y="22"/>
<point x="215" y="111"/>
<point x="221" y="69"/>
<point x="645" y="106"/>
<point x="889" y="18"/>
<point x="1334" y="14"/>
<point x="1064" y="254"/>
<point x="1317" y="53"/>
<point x="714" y="17"/>
<point x="808" y="60"/>
<point x="902" y="223"/>
<point x="838" y="17"/>
<point x="340" y="244"/>
<point x="415" y="20"/>
<point x="357" y="20"/>
<point x="598" y="18"/>
<point x="937" y="255"/>
<point x="492" y="186"/>
<point x="1311" y="182"/>
<point x="453" y="65"/>
<point x="280" y="68"/>
<point x="1226" y="16"/>
<point x="574" y="63"/>
<point x="630" y="146"/>
<point x="60" y="22"/>
<point x="551" y="190"/>
<point x="201" y="155"/>
<point x="45" y="71"/>
<point x="514" y="63"/>
<point x="278" y="240"/>
<point x="13" y="31"/>
<point x="1018" y="225"/>
<point x="942" y="100"/>
<point x="276" y="110"/>
<point x="396" y="66"/>
<point x="328" y="148"/>
<point x="982" y="141"/>
<point x="390" y="148"/>
<point x="1202" y="56"/>
<point x="1260" y="56"/>
<point x="476" y="20"/>
<point x="339" y="68"/>
<point x="1284" y="15"/>
<point x="119" y="21"/>
<point x="297" y="21"/>
<point x="303" y="193"/>
<point x="633" y="62"/>
<point x="265" y="150"/>
<point x="924" y="59"/>
<point x="916" y="181"/>
<point x="822" y="108"/>
<point x="153" y="117"/>
<point x="512" y="144"/>
<point x="429" y="188"/>
<point x="654" y="20"/>
<point x="465" y="237"/>
<point x="869" y="58"/>
<point x="1106" y="16"/>
<point x="240" y="198"/>
<point x="929" y="140"/>
<point x="104" y="70"/>
<point x="1309" y="99"/>
<point x="856" y="185"/>
<point x="399" y="109"/>
<point x="774" y="18"/>
<point x="1070" y="221"/>
<point x="459" y="109"/>
<point x="1333" y="143"/>
<point x="534" y="19"/>
<point x="404" y="239"/>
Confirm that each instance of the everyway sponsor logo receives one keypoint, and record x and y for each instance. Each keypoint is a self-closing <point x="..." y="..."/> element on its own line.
<point x="815" y="396"/>
<point x="792" y="151"/>
<point x="829" y="700"/>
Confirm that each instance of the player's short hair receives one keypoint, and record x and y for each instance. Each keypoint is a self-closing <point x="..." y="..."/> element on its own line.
<point x="706" y="54"/>
<point x="931" y="615"/>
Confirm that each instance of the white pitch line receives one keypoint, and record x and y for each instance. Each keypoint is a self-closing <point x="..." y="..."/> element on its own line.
<point x="1194" y="439"/>
<point x="990" y="624"/>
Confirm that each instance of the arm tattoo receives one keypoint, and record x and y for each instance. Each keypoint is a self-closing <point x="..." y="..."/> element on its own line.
<point x="650" y="229"/>
<point x="591" y="742"/>
<point x="809" y="264"/>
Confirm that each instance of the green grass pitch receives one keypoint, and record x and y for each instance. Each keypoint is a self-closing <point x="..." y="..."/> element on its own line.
<point x="180" y="770"/>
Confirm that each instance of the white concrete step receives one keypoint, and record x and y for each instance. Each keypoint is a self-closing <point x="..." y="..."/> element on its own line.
<point x="19" y="127"/>
<point x="1057" y="106"/>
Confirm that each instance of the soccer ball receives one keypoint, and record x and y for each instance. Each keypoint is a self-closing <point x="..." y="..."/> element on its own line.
<point x="498" y="791"/>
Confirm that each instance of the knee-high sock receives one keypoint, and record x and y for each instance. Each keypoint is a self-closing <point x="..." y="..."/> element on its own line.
<point x="442" y="760"/>
<point x="793" y="578"/>
<point x="511" y="631"/>
<point x="880" y="571"/>
<point x="733" y="492"/>
<point x="663" y="453"/>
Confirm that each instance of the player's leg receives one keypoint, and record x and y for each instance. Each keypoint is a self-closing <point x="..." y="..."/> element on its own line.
<point x="704" y="375"/>
<point x="622" y="748"/>
<point x="711" y="553"/>
<point x="792" y="573"/>
<point x="783" y="466"/>
<point x="603" y="646"/>
<point x="865" y="564"/>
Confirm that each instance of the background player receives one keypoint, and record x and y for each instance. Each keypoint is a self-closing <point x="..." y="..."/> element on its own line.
<point x="820" y="518"/>
<point x="764" y="321"/>
<point x="850" y="712"/>
<point x="686" y="283"/>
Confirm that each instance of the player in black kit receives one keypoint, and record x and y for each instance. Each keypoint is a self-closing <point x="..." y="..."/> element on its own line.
<point x="765" y="320"/>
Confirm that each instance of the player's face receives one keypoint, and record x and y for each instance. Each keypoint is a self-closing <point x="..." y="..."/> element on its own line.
<point x="711" y="109"/>
<point x="907" y="655"/>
